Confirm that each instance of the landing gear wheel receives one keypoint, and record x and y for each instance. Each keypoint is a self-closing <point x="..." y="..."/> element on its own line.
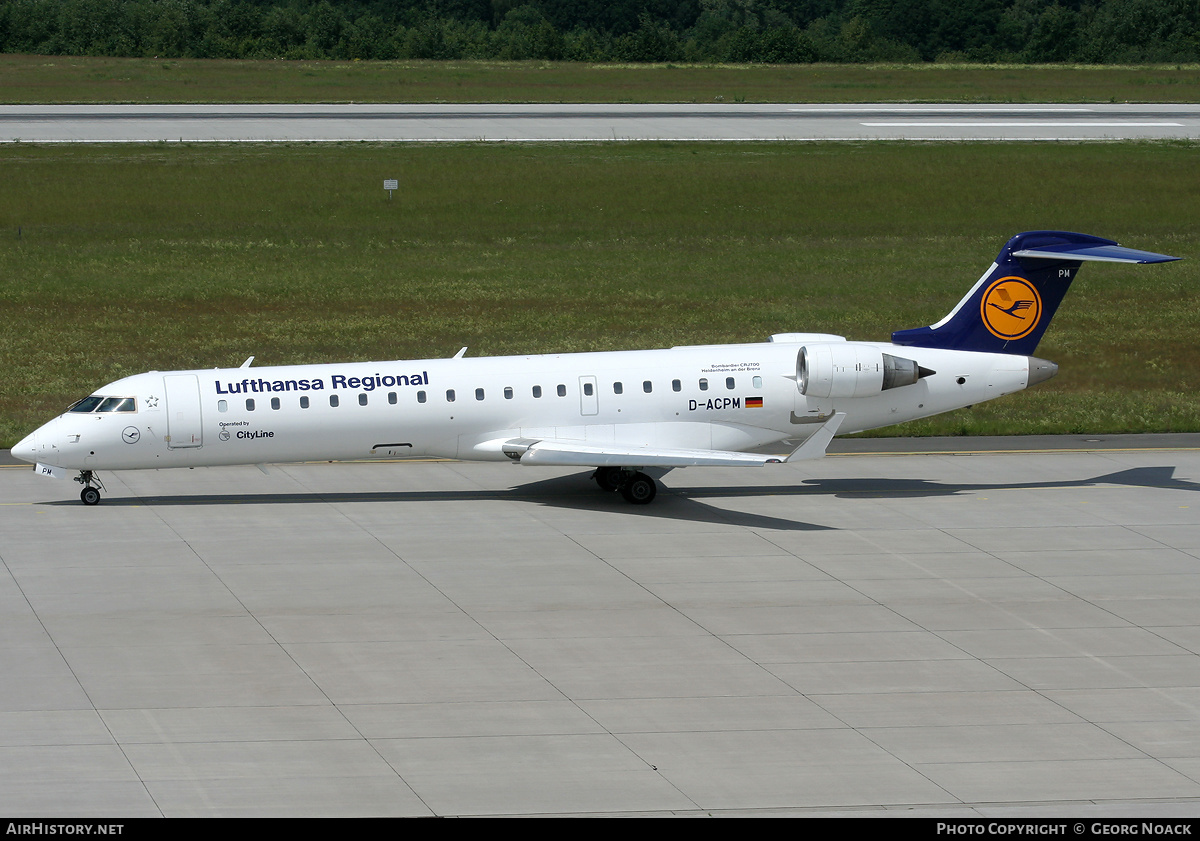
<point x="639" y="489"/>
<point x="608" y="478"/>
<point x="91" y="487"/>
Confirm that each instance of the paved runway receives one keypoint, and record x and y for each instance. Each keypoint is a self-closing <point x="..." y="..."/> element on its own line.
<point x="530" y="123"/>
<point x="996" y="634"/>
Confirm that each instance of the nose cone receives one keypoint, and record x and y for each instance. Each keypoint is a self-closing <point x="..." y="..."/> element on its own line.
<point x="41" y="445"/>
<point x="27" y="448"/>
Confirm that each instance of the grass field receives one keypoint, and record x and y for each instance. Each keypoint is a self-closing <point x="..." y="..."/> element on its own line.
<point x="41" y="79"/>
<point x="115" y="260"/>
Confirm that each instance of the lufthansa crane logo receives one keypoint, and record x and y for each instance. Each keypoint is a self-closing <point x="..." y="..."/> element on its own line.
<point x="1011" y="308"/>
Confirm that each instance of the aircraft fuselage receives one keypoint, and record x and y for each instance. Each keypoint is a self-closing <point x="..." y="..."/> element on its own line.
<point x="725" y="397"/>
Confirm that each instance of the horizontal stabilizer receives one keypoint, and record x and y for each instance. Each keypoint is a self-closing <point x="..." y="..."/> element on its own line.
<point x="1100" y="253"/>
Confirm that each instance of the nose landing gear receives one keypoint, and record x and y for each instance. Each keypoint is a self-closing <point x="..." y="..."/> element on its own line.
<point x="89" y="495"/>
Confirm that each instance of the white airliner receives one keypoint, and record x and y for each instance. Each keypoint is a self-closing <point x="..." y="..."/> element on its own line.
<point x="631" y="415"/>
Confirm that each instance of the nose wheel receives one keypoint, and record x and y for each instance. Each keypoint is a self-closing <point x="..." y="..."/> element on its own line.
<point x="90" y="495"/>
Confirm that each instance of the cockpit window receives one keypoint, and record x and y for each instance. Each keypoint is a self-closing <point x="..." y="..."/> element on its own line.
<point x="87" y="404"/>
<point x="96" y="403"/>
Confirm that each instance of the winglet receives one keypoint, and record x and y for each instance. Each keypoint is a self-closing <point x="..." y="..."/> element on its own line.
<point x="818" y="442"/>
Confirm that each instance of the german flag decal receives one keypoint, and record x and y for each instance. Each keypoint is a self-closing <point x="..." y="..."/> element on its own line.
<point x="753" y="402"/>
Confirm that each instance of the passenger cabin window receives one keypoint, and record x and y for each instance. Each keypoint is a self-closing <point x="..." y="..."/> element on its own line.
<point x="304" y="402"/>
<point x="362" y="399"/>
<point x="647" y="386"/>
<point x="537" y="391"/>
<point x="222" y="405"/>
<point x="449" y="395"/>
<point x="274" y="402"/>
<point x="508" y="392"/>
<point x="676" y="385"/>
<point x="392" y="398"/>
<point x="333" y="400"/>
<point x="704" y="384"/>
<point x="479" y="394"/>
<point x="562" y="390"/>
<point x="618" y="388"/>
<point x="249" y="404"/>
<point x="729" y="383"/>
<point x="420" y="397"/>
<point x="587" y="389"/>
<point x="758" y="382"/>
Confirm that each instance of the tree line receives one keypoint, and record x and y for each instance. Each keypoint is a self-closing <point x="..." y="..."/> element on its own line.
<point x="742" y="31"/>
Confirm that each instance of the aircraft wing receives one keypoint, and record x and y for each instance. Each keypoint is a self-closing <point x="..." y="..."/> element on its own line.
<point x="548" y="451"/>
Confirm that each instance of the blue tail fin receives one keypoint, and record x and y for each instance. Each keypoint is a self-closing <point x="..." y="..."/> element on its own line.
<point x="1008" y="310"/>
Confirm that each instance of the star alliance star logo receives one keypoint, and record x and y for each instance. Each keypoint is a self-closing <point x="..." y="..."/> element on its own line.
<point x="152" y="402"/>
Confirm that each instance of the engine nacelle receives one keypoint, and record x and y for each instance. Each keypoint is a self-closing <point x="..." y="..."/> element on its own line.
<point x="852" y="370"/>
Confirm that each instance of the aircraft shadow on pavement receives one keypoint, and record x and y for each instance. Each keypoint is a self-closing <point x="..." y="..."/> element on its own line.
<point x="575" y="492"/>
<point x="578" y="492"/>
<point x="1144" y="477"/>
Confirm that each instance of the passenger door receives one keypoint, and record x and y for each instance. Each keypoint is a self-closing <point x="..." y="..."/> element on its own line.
<point x="184" y="428"/>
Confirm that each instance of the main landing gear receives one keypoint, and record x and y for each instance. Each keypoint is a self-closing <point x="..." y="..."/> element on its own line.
<point x="89" y="495"/>
<point x="636" y="487"/>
